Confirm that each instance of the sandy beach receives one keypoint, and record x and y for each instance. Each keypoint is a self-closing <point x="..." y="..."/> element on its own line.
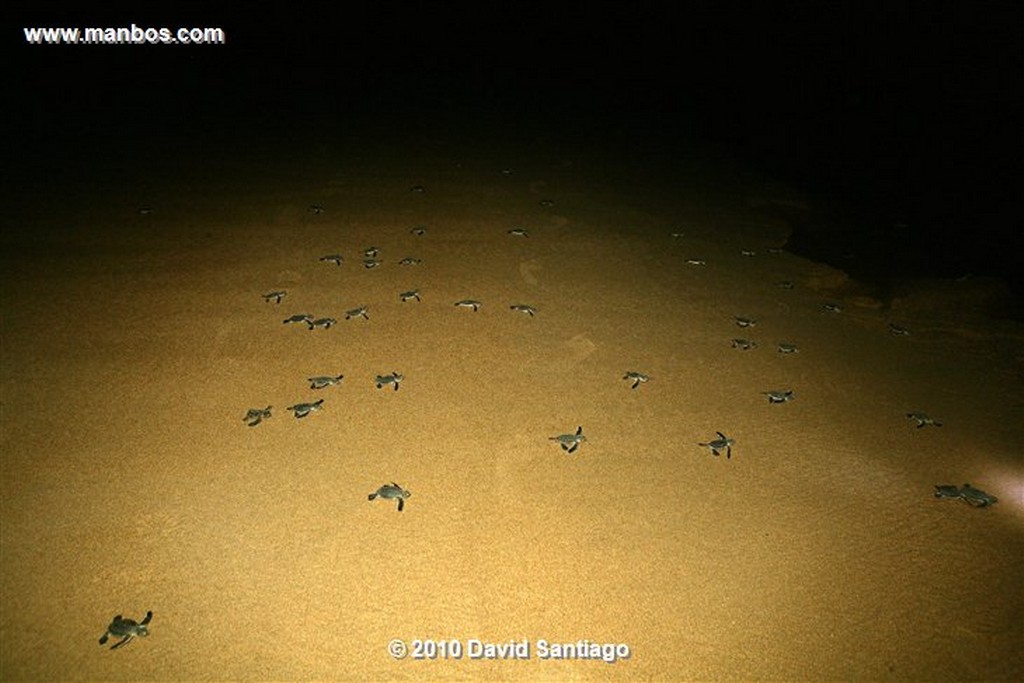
<point x="134" y="343"/>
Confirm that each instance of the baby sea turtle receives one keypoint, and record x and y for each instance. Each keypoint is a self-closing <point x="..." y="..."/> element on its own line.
<point x="298" y="318"/>
<point x="923" y="420"/>
<point x="304" y="409"/>
<point x="371" y="252"/>
<point x="316" y="209"/>
<point x="417" y="189"/>
<point x="677" y="235"/>
<point x="469" y="303"/>
<point x="321" y="322"/>
<point x="524" y="308"/>
<point x="360" y="312"/>
<point x="570" y="442"/>
<point x="779" y="396"/>
<point x="391" y="491"/>
<point x="637" y="377"/>
<point x="722" y="443"/>
<point x="324" y="381"/>
<point x="742" y="321"/>
<point x="370" y="263"/>
<point x="970" y="495"/>
<point x="410" y="261"/>
<point x="275" y="296"/>
<point x="411" y="294"/>
<point x="784" y="284"/>
<point x="785" y="347"/>
<point x="696" y="262"/>
<point x="336" y="259"/>
<point x="419" y="231"/>
<point x="546" y="203"/>
<point x="519" y="232"/>
<point x="394" y="378"/>
<point x="126" y="629"/>
<point x="774" y="250"/>
<point x="832" y="308"/>
<point x="256" y="415"/>
<point x="145" y="211"/>
<point x="748" y="252"/>
<point x="743" y="344"/>
<point x="897" y="331"/>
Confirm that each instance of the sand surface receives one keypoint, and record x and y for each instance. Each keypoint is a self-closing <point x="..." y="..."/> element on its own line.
<point x="132" y="345"/>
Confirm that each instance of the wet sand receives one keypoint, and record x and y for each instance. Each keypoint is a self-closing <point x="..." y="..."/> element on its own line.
<point x="134" y="344"/>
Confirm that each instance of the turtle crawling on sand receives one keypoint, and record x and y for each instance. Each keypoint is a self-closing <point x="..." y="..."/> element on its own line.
<point x="303" y="409"/>
<point x="324" y="381"/>
<point x="391" y="491"/>
<point x="469" y="303"/>
<point x="570" y="442"/>
<point x="519" y="232"/>
<point x="394" y="378"/>
<point x="722" y="443"/>
<point x="923" y="420"/>
<point x="637" y="377"/>
<point x="524" y="308"/>
<point x="256" y="415"/>
<point x="275" y="296"/>
<point x="411" y="294"/>
<point x="336" y="259"/>
<point x="786" y="347"/>
<point x="743" y="344"/>
<point x="298" y="318"/>
<point x="321" y="322"/>
<point x="126" y="629"/>
<point x="742" y="321"/>
<point x="970" y="495"/>
<point x="360" y="312"/>
<point x="779" y="396"/>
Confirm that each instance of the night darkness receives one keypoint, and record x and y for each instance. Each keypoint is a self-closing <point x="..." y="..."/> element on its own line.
<point x="899" y="117"/>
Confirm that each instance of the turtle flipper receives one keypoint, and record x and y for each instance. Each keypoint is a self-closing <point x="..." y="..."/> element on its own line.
<point x="123" y="641"/>
<point x="636" y="384"/>
<point x="401" y="504"/>
<point x="104" y="638"/>
<point x="372" y="496"/>
<point x="574" y="447"/>
<point x="728" y="452"/>
<point x="149" y="617"/>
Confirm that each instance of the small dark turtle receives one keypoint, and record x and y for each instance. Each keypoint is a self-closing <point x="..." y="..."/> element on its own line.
<point x="748" y="253"/>
<point x="126" y="629"/>
<point x="419" y="231"/>
<point x="546" y="203"/>
<point x="391" y="491"/>
<point x="410" y="261"/>
<point x="785" y="347"/>
<point x="303" y="409"/>
<point x="743" y="344"/>
<point x="976" y="497"/>
<point x="324" y="381"/>
<point x="469" y="303"/>
<point x="779" y="396"/>
<point x="321" y="322"/>
<point x="336" y="259"/>
<point x="524" y="308"/>
<point x="369" y="263"/>
<point x="411" y="294"/>
<point x="394" y="378"/>
<point x="897" y="331"/>
<point x="832" y="308"/>
<point x="638" y="378"/>
<point x="256" y="415"/>
<point x="145" y="211"/>
<point x="774" y="250"/>
<point x="570" y="442"/>
<point x="947" y="491"/>
<point x="371" y="252"/>
<point x="360" y="312"/>
<point x="275" y="296"/>
<point x="923" y="420"/>
<point x="518" y="232"/>
<point x="506" y="172"/>
<point x="298" y="318"/>
<point x="722" y="443"/>
<point x="784" y="284"/>
<point x="417" y="189"/>
<point x="696" y="262"/>
<point x="742" y="321"/>
<point x="316" y="209"/>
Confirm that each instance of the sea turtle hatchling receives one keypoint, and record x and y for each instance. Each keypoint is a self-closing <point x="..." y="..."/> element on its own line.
<point x="394" y="378"/>
<point x="970" y="495"/>
<point x="570" y="442"/>
<point x="411" y="294"/>
<point x="360" y="312"/>
<point x="742" y="321"/>
<point x="924" y="420"/>
<point x="275" y="296"/>
<point x="785" y="347"/>
<point x="256" y="415"/>
<point x="546" y="203"/>
<point x="417" y="189"/>
<point x="784" y="284"/>
<point x="743" y="344"/>
<point x="897" y="331"/>
<point x="750" y="253"/>
<point x="776" y="396"/>
<point x="126" y="629"/>
<point x="369" y="263"/>
<point x="303" y="409"/>
<point x="419" y="231"/>
<point x="410" y="261"/>
<point x="832" y="307"/>
<point x="371" y="252"/>
<point x="298" y="318"/>
<point x="324" y="381"/>
<point x="321" y="322"/>
<point x="336" y="259"/>
<point x="722" y="443"/>
<point x="519" y="232"/>
<point x="316" y="209"/>
<point x="696" y="262"/>
<point x="391" y="491"/>
<point x="637" y="378"/>
<point x="524" y="308"/>
<point x="469" y="303"/>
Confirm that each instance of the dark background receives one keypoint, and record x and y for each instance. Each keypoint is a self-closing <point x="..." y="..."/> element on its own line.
<point x="902" y="118"/>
